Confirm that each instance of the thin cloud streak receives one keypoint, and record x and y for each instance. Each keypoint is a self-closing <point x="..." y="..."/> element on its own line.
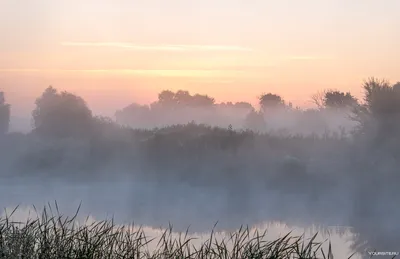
<point x="143" y="72"/>
<point x="167" y="47"/>
<point x="307" y="58"/>
<point x="211" y="81"/>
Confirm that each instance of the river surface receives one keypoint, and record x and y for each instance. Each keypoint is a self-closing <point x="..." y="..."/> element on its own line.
<point x="155" y="206"/>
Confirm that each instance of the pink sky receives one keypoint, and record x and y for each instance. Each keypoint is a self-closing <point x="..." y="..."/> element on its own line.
<point x="115" y="52"/>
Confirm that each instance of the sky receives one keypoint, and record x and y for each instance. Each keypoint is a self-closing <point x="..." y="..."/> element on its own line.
<point x="116" y="52"/>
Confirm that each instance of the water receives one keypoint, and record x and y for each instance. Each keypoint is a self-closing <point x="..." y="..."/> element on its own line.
<point x="157" y="205"/>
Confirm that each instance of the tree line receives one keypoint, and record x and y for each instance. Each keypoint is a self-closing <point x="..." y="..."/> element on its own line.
<point x="63" y="114"/>
<point x="363" y="170"/>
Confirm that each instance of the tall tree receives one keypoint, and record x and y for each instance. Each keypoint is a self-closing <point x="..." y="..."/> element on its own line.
<point x="237" y="105"/>
<point x="199" y="100"/>
<point x="166" y="98"/>
<point x="380" y="113"/>
<point x="132" y="114"/>
<point x="318" y="99"/>
<point x="334" y="99"/>
<point x="4" y="114"/>
<point x="337" y="99"/>
<point x="255" y="121"/>
<point x="183" y="98"/>
<point x="381" y="99"/>
<point x="396" y="87"/>
<point x="243" y="105"/>
<point x="61" y="115"/>
<point x="270" y="101"/>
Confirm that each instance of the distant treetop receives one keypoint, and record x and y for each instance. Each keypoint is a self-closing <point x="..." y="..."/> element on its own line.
<point x="270" y="101"/>
<point x="61" y="114"/>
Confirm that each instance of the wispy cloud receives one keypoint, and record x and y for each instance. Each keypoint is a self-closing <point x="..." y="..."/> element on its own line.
<point x="142" y="72"/>
<point x="307" y="58"/>
<point x="212" y="81"/>
<point x="130" y="46"/>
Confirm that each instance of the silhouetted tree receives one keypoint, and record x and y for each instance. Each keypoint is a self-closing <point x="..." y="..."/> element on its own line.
<point x="337" y="99"/>
<point x="381" y="99"/>
<point x="132" y="113"/>
<point x="199" y="100"/>
<point x="334" y="99"/>
<point x="4" y="114"/>
<point x="183" y="98"/>
<point x="270" y="101"/>
<point x="396" y="87"/>
<point x="376" y="159"/>
<point x="255" y="121"/>
<point x="237" y="105"/>
<point x="167" y="98"/>
<point x="61" y="115"/>
<point x="379" y="116"/>
<point x="225" y="104"/>
<point x="318" y="99"/>
<point x="243" y="105"/>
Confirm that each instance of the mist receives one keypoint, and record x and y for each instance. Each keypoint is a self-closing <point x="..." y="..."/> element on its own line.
<point x="191" y="162"/>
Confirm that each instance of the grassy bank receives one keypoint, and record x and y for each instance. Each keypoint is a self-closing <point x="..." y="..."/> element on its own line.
<point x="52" y="235"/>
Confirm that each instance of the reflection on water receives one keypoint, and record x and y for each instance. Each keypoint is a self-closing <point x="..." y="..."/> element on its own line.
<point x="155" y="207"/>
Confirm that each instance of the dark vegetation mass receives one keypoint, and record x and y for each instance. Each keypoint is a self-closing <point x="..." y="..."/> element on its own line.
<point x="344" y="148"/>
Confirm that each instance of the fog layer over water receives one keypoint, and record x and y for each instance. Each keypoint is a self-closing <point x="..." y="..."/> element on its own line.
<point x="153" y="204"/>
<point x="158" y="204"/>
